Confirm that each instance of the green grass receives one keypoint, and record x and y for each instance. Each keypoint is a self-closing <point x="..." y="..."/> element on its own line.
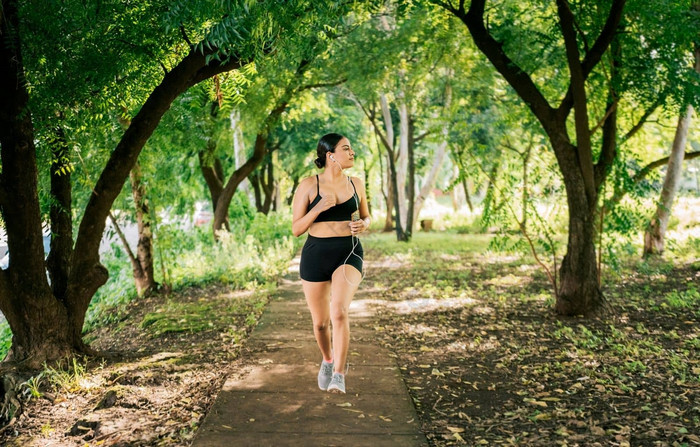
<point x="683" y="299"/>
<point x="193" y="317"/>
<point x="444" y="242"/>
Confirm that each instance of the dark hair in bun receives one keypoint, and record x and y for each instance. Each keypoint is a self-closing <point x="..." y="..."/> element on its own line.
<point x="326" y="144"/>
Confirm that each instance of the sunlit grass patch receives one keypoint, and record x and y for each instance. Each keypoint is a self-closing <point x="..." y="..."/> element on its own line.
<point x="442" y="243"/>
<point x="213" y="313"/>
<point x="71" y="376"/>
<point x="509" y="280"/>
<point x="419" y="305"/>
<point x="683" y="299"/>
<point x="179" y="317"/>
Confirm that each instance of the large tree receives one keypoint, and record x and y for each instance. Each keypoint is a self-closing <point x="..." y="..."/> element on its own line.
<point x="47" y="318"/>
<point x="561" y="63"/>
<point x="579" y="290"/>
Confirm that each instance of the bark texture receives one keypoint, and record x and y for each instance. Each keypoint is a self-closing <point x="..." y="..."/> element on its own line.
<point x="654" y="236"/>
<point x="263" y="182"/>
<point x="38" y="319"/>
<point x="143" y="269"/>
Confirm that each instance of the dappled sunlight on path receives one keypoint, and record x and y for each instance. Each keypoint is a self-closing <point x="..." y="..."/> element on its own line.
<point x="272" y="397"/>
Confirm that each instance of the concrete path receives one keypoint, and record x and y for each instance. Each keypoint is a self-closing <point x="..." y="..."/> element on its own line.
<point x="273" y="399"/>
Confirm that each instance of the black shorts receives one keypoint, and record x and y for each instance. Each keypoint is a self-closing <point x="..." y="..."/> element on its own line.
<point x="321" y="256"/>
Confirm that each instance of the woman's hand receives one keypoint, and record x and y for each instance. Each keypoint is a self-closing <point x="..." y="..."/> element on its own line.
<point x="358" y="226"/>
<point x="326" y="202"/>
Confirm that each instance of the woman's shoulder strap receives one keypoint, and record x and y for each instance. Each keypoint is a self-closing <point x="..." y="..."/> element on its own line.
<point x="353" y="184"/>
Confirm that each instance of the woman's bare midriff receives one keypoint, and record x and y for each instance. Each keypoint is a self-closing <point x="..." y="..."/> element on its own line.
<point x="330" y="229"/>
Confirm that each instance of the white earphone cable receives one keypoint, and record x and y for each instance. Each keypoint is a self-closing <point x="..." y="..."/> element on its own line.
<point x="355" y="239"/>
<point x="355" y="243"/>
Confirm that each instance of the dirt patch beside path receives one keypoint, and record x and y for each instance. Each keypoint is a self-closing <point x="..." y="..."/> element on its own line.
<point x="163" y="365"/>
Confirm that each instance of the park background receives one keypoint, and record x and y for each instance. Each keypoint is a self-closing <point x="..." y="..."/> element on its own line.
<point x="531" y="161"/>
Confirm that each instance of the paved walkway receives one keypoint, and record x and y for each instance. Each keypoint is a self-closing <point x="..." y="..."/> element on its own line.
<point x="273" y="398"/>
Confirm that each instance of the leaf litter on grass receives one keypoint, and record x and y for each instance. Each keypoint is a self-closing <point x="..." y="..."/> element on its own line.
<point x="499" y="368"/>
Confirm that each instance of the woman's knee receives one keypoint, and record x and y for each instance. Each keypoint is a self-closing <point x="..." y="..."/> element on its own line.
<point x="339" y="314"/>
<point x="322" y="326"/>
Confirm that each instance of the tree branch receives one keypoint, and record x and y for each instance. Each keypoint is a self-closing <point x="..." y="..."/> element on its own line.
<point x="642" y="174"/>
<point x="377" y="131"/>
<point x="184" y="36"/>
<point x="125" y="243"/>
<point x="86" y="272"/>
<point x="645" y="117"/>
<point x="214" y="67"/>
<point x="610" y="109"/>
<point x="448" y="6"/>
<point x="516" y="77"/>
<point x="596" y="53"/>
<point x="578" y="89"/>
<point x="423" y="135"/>
<point x="147" y="51"/>
<point x="323" y="84"/>
<point x="609" y="143"/>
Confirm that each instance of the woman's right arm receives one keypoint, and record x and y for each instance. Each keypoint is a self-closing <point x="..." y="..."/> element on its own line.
<point x="301" y="219"/>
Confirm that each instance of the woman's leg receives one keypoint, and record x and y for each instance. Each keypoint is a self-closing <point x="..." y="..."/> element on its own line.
<point x="318" y="300"/>
<point x="346" y="279"/>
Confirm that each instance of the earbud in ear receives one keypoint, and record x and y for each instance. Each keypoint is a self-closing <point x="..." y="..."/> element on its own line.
<point x="332" y="158"/>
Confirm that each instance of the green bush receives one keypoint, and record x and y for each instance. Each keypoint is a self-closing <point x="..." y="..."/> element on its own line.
<point x="256" y="251"/>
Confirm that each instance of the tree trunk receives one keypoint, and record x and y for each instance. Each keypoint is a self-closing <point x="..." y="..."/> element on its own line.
<point x="467" y="197"/>
<point x="366" y="169"/>
<point x="400" y="234"/>
<point x="388" y="142"/>
<point x="40" y="323"/>
<point x="295" y="185"/>
<point x="46" y="327"/>
<point x="579" y="291"/>
<point x="221" y="209"/>
<point x="142" y="263"/>
<point x="411" y="180"/>
<point x="430" y="179"/>
<point x="263" y="183"/>
<point x="144" y="274"/>
<point x="254" y="180"/>
<point x="238" y="147"/>
<point x="212" y="171"/>
<point x="259" y="149"/>
<point x="389" y="221"/>
<point x="268" y="185"/>
<point x="61" y="248"/>
<point x="402" y="165"/>
<point x="656" y="231"/>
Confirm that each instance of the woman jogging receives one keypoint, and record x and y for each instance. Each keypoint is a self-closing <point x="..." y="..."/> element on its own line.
<point x="332" y="207"/>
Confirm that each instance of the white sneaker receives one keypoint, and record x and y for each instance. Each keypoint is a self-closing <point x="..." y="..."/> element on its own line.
<point x="324" y="375"/>
<point x="337" y="384"/>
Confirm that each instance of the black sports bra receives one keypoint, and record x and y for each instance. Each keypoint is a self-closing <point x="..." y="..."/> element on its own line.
<point x="338" y="213"/>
